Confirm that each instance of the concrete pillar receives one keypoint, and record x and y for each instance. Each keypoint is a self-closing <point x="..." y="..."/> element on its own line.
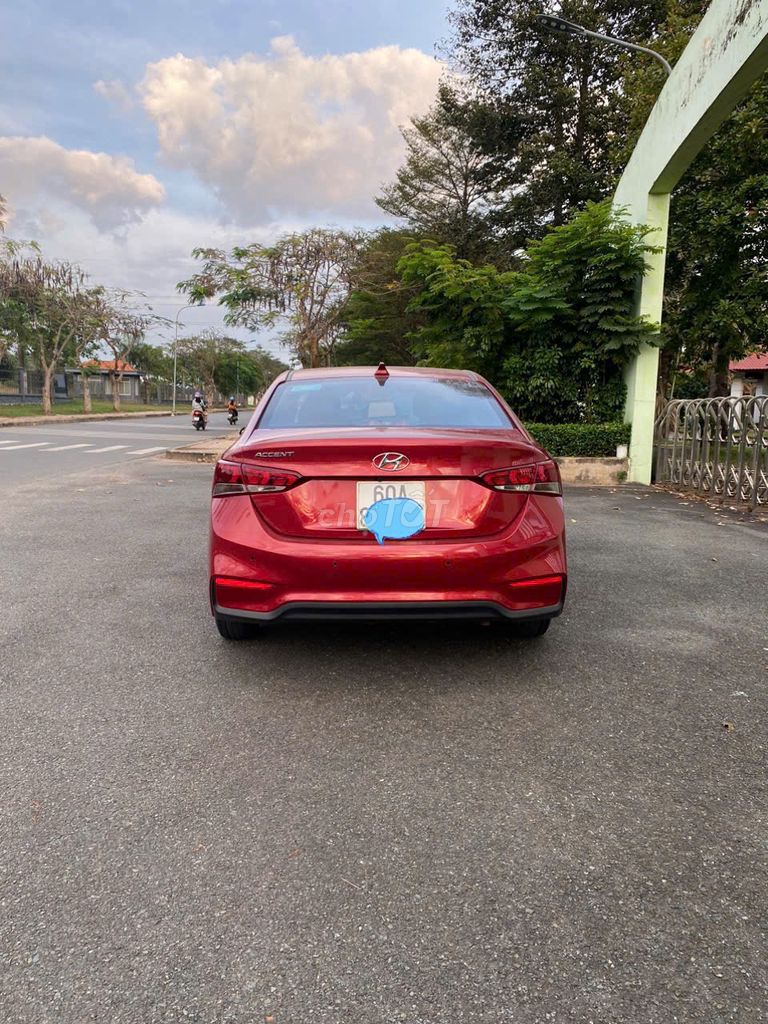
<point x="643" y="373"/>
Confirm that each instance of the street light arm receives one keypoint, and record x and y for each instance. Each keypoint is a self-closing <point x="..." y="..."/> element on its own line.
<point x="557" y="24"/>
<point x="629" y="46"/>
<point x="175" y="351"/>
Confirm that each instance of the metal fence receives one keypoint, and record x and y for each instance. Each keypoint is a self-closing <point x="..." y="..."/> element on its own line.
<point x="19" y="386"/>
<point x="715" y="447"/>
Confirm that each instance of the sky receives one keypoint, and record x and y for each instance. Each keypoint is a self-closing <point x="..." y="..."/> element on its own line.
<point x="132" y="131"/>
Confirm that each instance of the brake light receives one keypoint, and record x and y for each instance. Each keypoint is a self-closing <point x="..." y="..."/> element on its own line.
<point x="240" y="478"/>
<point x="541" y="478"/>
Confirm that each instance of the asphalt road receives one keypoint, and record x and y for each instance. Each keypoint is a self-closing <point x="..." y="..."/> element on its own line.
<point x="353" y="825"/>
<point x="53" y="450"/>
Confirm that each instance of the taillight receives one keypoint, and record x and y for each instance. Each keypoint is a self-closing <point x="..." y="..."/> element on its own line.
<point x="541" y="478"/>
<point x="240" y="478"/>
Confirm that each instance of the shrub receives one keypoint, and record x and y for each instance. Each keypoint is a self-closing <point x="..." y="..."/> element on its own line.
<point x="588" y="440"/>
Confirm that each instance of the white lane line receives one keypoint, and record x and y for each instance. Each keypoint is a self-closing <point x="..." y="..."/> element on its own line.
<point x="66" y="447"/>
<point x="10" y="440"/>
<point x="146" y="451"/>
<point x="34" y="444"/>
<point x="110" y="448"/>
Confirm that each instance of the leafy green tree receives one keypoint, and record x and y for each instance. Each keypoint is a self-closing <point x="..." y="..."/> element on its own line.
<point x="203" y="355"/>
<point x="376" y="321"/>
<point x="554" y="336"/>
<point x="238" y="373"/>
<point x="553" y="103"/>
<point x="715" y="305"/>
<point x="447" y="183"/>
<point x="269" y="366"/>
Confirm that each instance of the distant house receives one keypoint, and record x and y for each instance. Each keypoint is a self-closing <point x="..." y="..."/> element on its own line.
<point x="99" y="370"/>
<point x="749" y="376"/>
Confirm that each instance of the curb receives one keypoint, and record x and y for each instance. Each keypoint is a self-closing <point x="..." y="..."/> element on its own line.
<point x="85" y="417"/>
<point x="201" y="451"/>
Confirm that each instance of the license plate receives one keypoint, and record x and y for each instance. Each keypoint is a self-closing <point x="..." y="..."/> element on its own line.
<point x="371" y="491"/>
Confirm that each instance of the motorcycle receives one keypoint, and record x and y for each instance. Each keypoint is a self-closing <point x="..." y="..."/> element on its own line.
<point x="232" y="418"/>
<point x="198" y="420"/>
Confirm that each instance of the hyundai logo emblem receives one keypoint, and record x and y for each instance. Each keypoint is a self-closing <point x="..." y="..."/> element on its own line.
<point x="391" y="462"/>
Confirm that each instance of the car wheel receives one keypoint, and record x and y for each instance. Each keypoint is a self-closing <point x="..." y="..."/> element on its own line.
<point x="529" y="629"/>
<point x="236" y="629"/>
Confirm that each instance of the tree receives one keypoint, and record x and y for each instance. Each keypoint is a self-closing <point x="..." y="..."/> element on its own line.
<point x="269" y="366"/>
<point x="301" y="282"/>
<point x="715" y="303"/>
<point x="202" y="356"/>
<point x="154" y="363"/>
<point x="376" y="323"/>
<point x="554" y="336"/>
<point x="122" y="328"/>
<point x="553" y="103"/>
<point x="447" y="183"/>
<point x="239" y="373"/>
<point x="46" y="300"/>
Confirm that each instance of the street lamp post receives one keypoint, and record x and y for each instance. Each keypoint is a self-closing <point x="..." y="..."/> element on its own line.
<point x="175" y="350"/>
<point x="557" y="24"/>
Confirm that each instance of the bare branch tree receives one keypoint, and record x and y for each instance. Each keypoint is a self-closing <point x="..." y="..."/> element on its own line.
<point x="301" y="282"/>
<point x="46" y="296"/>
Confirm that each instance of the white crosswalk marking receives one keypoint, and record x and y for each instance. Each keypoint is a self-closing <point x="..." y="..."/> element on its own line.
<point x="34" y="444"/>
<point x="109" y="448"/>
<point x="146" y="451"/>
<point x="66" y="447"/>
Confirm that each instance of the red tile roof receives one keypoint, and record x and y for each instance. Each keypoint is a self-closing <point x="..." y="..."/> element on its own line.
<point x="756" y="362"/>
<point x="109" y="364"/>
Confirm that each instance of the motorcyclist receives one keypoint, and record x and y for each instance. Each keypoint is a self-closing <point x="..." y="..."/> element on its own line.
<point x="232" y="409"/>
<point x="199" y="404"/>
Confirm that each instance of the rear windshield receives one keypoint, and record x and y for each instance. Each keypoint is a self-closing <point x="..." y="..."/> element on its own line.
<point x="399" y="402"/>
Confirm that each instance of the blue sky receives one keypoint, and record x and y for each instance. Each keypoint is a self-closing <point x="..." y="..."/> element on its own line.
<point x="130" y="132"/>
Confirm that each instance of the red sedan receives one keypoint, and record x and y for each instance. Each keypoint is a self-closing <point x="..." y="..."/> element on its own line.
<point x="400" y="493"/>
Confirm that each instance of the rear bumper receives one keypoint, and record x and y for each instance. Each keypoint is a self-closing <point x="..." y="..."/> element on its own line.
<point x="276" y="577"/>
<point x="383" y="611"/>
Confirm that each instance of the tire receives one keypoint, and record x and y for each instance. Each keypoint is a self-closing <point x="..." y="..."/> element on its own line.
<point x="528" y="629"/>
<point x="236" y="629"/>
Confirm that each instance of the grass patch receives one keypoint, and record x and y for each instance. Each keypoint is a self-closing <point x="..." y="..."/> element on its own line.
<point x="74" y="408"/>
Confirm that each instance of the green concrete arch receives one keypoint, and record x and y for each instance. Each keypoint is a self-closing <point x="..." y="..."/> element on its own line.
<point x="726" y="54"/>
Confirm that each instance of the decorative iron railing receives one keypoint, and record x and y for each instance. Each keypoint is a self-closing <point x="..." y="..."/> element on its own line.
<point x="715" y="447"/>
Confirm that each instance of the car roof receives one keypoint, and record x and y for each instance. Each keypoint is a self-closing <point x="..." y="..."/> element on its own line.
<point x="368" y="371"/>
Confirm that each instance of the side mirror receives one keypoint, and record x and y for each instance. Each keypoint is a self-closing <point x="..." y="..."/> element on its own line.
<point x="242" y="429"/>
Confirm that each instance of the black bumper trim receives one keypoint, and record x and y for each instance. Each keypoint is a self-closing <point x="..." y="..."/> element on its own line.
<point x="350" y="611"/>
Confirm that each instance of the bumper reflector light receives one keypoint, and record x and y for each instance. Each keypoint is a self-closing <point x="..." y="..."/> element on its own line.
<point x="243" y="594"/>
<point x="542" y="592"/>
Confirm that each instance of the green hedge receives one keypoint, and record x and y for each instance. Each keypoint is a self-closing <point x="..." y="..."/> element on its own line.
<point x="588" y="440"/>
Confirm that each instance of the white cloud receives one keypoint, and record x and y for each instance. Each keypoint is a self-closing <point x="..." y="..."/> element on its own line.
<point x="289" y="132"/>
<point x="108" y="188"/>
<point x="116" y="92"/>
<point x="150" y="256"/>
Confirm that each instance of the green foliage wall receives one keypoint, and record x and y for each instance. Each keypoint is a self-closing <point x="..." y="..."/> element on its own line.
<point x="555" y="336"/>
<point x="588" y="440"/>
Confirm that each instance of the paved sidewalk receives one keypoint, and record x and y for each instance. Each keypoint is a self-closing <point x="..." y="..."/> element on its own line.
<point x="84" y="417"/>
